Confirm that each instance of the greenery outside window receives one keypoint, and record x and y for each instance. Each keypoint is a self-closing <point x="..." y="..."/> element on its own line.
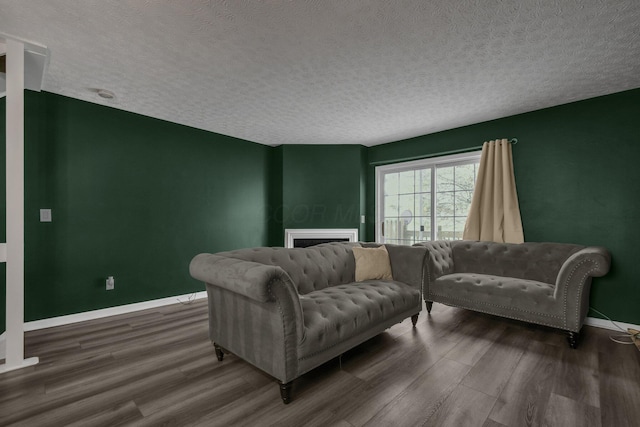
<point x="425" y="199"/>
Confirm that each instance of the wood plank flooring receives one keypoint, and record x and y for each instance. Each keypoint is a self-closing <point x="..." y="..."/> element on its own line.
<point x="456" y="368"/>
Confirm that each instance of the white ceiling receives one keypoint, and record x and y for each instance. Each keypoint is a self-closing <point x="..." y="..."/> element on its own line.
<point x="332" y="71"/>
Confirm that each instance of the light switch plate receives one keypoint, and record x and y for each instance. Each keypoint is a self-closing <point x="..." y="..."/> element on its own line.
<point x="45" y="215"/>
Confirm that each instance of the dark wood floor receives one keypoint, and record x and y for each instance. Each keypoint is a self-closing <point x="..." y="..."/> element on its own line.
<point x="456" y="368"/>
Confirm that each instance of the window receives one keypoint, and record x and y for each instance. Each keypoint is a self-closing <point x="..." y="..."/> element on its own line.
<point x="425" y="199"/>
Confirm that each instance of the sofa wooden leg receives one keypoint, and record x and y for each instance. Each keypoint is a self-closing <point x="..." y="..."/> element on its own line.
<point x="572" y="338"/>
<point x="285" y="391"/>
<point x="414" y="319"/>
<point x="429" y="304"/>
<point x="219" y="352"/>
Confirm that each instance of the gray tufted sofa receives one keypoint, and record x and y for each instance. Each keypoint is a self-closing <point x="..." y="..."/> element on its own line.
<point x="542" y="283"/>
<point x="287" y="311"/>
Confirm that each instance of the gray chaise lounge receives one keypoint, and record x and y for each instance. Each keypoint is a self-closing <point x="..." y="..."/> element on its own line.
<point x="542" y="283"/>
<point x="287" y="311"/>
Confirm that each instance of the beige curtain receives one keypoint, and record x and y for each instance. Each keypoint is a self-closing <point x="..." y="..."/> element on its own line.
<point x="495" y="214"/>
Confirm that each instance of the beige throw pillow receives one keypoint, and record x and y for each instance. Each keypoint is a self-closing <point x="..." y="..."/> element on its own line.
<point x="372" y="264"/>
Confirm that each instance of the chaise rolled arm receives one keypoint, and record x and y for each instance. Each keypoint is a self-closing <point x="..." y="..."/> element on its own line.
<point x="440" y="259"/>
<point x="439" y="263"/>
<point x="574" y="281"/>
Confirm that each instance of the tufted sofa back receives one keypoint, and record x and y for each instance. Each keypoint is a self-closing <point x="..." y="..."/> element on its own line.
<point x="310" y="269"/>
<point x="530" y="261"/>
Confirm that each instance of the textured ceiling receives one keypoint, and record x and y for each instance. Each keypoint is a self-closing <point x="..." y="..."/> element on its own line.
<point x="332" y="71"/>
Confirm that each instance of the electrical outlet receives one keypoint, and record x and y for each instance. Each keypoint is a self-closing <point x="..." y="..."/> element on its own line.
<point x="111" y="283"/>
<point x="45" y="215"/>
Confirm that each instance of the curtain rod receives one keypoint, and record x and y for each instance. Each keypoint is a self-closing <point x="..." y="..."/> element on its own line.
<point x="513" y="141"/>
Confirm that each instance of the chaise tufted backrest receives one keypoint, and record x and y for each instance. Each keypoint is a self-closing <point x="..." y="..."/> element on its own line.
<point x="531" y="261"/>
<point x="310" y="269"/>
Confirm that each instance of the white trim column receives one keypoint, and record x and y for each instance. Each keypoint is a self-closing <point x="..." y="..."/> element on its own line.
<point x="14" y="358"/>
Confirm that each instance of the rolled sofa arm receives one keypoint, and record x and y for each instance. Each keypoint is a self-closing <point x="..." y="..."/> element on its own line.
<point x="272" y="295"/>
<point x="408" y="264"/>
<point x="247" y="278"/>
<point x="260" y="282"/>
<point x="573" y="283"/>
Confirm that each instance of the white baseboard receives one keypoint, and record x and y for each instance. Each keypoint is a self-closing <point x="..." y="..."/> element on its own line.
<point x="106" y="312"/>
<point x="25" y="363"/>
<point x="607" y="324"/>
<point x="98" y="314"/>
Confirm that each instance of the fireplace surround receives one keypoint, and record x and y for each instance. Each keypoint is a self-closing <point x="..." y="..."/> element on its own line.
<point x="304" y="237"/>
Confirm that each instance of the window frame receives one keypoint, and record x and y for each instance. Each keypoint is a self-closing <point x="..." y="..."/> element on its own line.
<point x="431" y="162"/>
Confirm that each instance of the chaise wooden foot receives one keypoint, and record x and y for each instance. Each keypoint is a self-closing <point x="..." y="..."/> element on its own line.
<point x="429" y="304"/>
<point x="285" y="391"/>
<point x="219" y="352"/>
<point x="572" y="338"/>
<point x="414" y="319"/>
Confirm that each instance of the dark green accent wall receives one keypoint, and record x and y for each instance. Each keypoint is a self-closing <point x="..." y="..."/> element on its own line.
<point x="136" y="197"/>
<point x="577" y="177"/>
<point x="133" y="197"/>
<point x="321" y="186"/>
<point x="276" y="229"/>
